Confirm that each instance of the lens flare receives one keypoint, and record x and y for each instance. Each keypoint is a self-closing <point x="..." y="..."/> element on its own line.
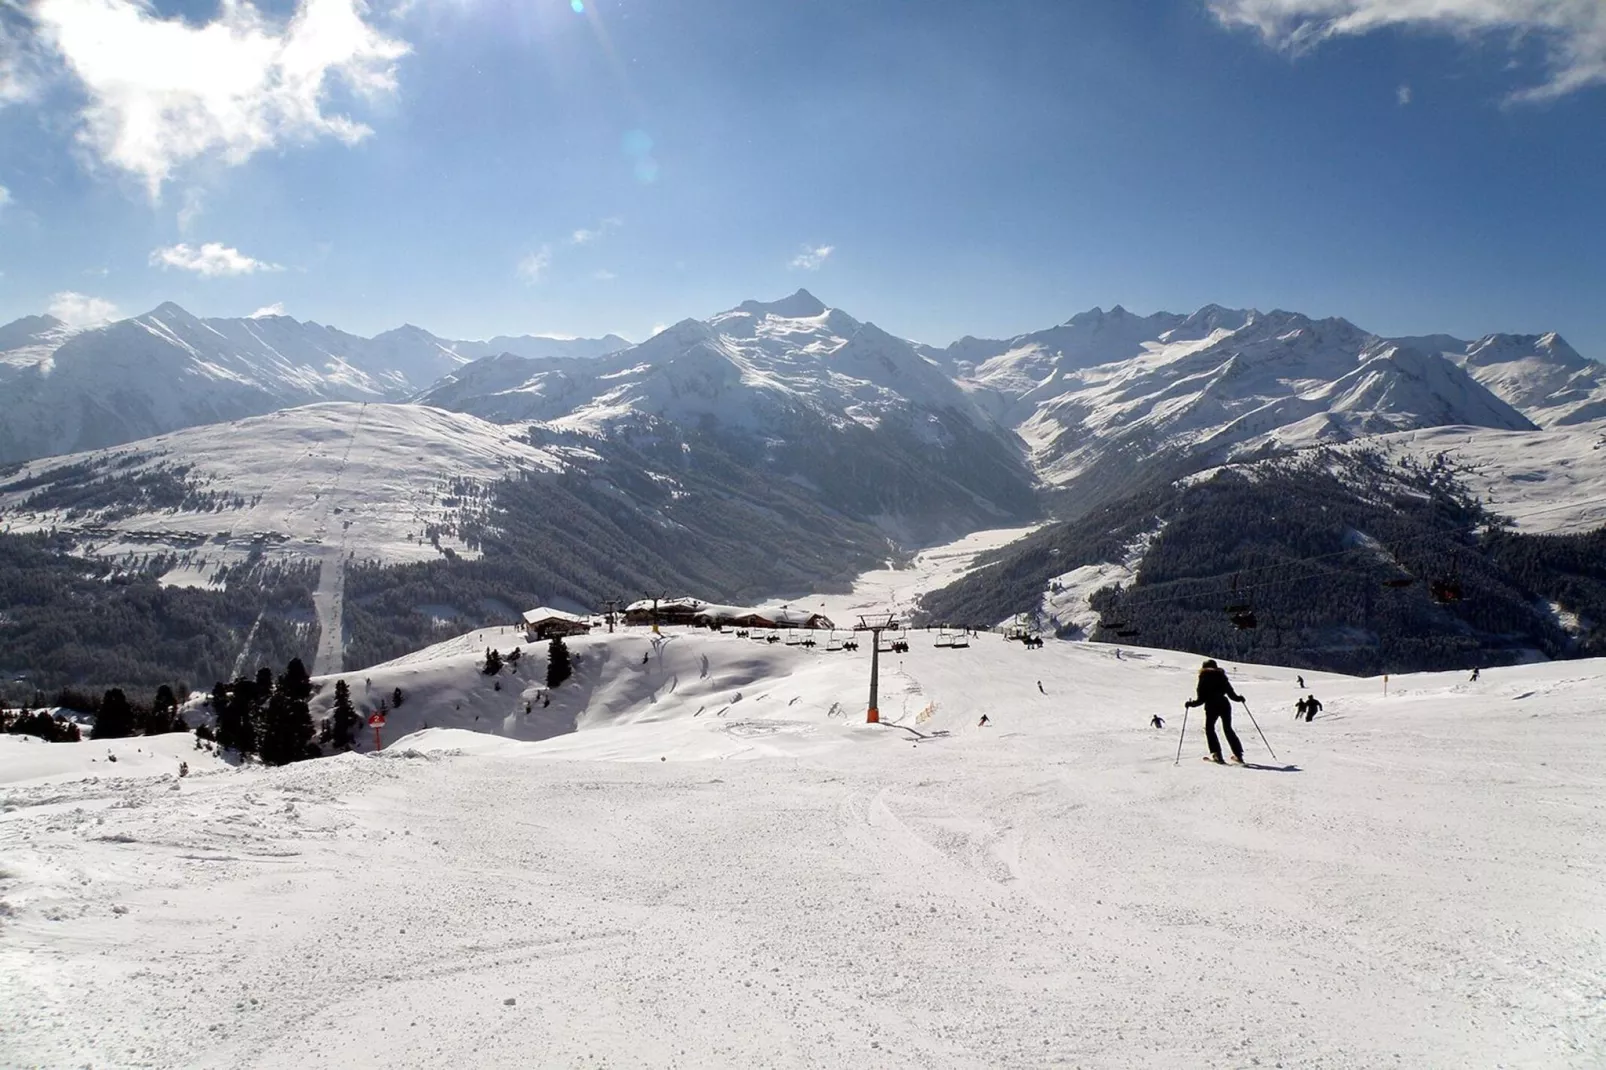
<point x="578" y="6"/>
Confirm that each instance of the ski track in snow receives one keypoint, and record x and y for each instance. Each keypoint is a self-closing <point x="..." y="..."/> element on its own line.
<point x="1419" y="888"/>
<point x="329" y="599"/>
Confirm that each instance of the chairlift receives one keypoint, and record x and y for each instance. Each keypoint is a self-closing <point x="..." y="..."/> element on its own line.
<point x="1447" y="588"/>
<point x="832" y="643"/>
<point x="794" y="637"/>
<point x="1241" y="613"/>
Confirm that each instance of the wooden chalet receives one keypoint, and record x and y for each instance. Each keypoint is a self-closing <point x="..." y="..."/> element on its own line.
<point x="543" y="623"/>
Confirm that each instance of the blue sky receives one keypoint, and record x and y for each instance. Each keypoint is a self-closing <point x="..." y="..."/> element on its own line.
<point x="942" y="167"/>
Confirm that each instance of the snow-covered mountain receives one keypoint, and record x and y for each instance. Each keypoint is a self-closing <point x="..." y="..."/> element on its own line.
<point x="1541" y="375"/>
<point x="1114" y="393"/>
<point x="167" y="369"/>
<point x="874" y="426"/>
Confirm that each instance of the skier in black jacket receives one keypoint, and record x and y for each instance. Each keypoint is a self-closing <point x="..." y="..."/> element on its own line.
<point x="1214" y="692"/>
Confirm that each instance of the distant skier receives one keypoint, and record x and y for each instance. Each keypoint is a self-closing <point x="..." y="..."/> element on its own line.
<point x="1157" y="721"/>
<point x="1040" y="687"/>
<point x="646" y="655"/>
<point x="1214" y="692"/>
<point x="1118" y="656"/>
<point x="1313" y="706"/>
<point x="984" y="722"/>
<point x="1299" y="709"/>
<point x="1475" y="673"/>
<point x="1301" y="680"/>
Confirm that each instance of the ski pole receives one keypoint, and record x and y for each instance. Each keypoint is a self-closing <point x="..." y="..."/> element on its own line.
<point x="1254" y="722"/>
<point x="1184" y="734"/>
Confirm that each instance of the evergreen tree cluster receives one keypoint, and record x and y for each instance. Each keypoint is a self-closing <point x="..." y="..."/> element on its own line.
<point x="68" y="621"/>
<point x="50" y="728"/>
<point x="115" y="716"/>
<point x="270" y="717"/>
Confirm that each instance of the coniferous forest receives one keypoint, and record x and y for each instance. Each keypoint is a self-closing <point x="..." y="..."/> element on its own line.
<point x="1341" y="563"/>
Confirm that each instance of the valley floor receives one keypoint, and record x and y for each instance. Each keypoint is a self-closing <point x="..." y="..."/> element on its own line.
<point x="1414" y="882"/>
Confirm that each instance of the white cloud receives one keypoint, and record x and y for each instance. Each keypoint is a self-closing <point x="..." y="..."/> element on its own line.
<point x="162" y="91"/>
<point x="658" y="328"/>
<point x="80" y="310"/>
<point x="812" y="257"/>
<point x="585" y="236"/>
<point x="1572" y="32"/>
<point x="275" y="309"/>
<point x="603" y="275"/>
<point x="194" y="205"/>
<point x="1403" y="95"/>
<point x="5" y="198"/>
<point x="534" y="265"/>
<point x="19" y="58"/>
<point x="212" y="260"/>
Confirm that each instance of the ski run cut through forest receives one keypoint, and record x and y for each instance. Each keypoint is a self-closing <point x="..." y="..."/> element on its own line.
<point x="695" y="852"/>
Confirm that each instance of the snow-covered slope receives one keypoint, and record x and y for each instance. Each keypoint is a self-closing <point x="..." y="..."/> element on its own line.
<point x="1412" y="881"/>
<point x="1550" y="482"/>
<point x="1541" y="375"/>
<point x="381" y="482"/>
<point x="76" y="390"/>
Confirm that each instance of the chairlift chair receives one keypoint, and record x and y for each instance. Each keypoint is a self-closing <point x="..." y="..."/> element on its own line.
<point x="1447" y="588"/>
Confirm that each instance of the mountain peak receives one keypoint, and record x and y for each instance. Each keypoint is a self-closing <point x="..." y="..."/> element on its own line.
<point x="800" y="305"/>
<point x="170" y="310"/>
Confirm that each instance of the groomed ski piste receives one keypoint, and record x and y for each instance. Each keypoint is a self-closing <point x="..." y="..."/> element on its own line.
<point x="707" y="858"/>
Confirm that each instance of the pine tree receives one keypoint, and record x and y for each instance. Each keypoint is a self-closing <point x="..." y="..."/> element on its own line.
<point x="287" y="727"/>
<point x="236" y="726"/>
<point x="260" y="694"/>
<point x="164" y="712"/>
<point x="344" y="722"/>
<point x="558" y="668"/>
<point x="493" y="662"/>
<point x="115" y="718"/>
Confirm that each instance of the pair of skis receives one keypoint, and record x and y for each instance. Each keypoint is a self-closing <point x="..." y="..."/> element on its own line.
<point x="1184" y="734"/>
